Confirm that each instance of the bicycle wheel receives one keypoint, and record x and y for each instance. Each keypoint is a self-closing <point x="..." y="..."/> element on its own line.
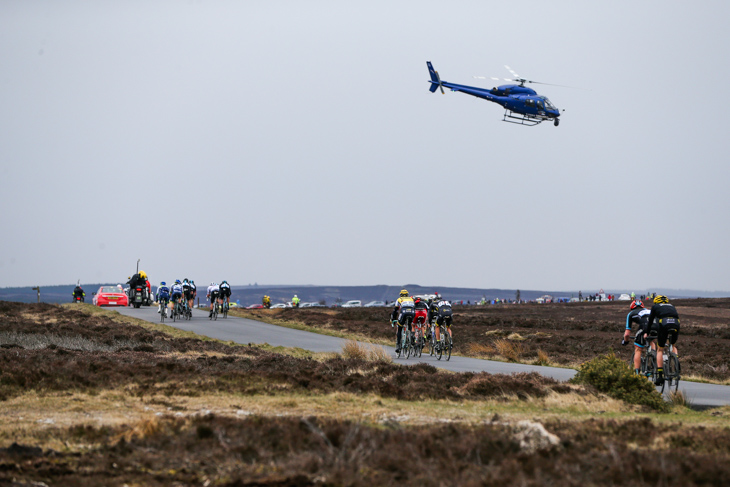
<point x="407" y="342"/>
<point x="672" y="372"/>
<point x="650" y="365"/>
<point x="162" y="312"/>
<point x="419" y="343"/>
<point x="432" y="343"/>
<point x="448" y="344"/>
<point x="225" y="310"/>
<point x="440" y="347"/>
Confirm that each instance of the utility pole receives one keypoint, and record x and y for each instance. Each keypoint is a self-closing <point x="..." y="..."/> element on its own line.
<point x="37" y="288"/>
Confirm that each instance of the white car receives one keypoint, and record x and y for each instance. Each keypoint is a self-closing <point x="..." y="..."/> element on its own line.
<point x="375" y="304"/>
<point x="280" y="305"/>
<point x="353" y="304"/>
<point x="624" y="297"/>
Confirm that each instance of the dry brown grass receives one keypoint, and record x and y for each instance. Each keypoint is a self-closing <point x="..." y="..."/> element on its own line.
<point x="679" y="398"/>
<point x="542" y="358"/>
<point x="369" y="352"/>
<point x="480" y="349"/>
<point x="510" y="350"/>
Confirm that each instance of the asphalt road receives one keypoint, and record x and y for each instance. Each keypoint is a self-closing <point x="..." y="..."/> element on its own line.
<point x="241" y="330"/>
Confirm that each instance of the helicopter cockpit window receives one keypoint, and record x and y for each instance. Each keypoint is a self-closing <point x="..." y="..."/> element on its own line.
<point x="549" y="105"/>
<point x="539" y="104"/>
<point x="530" y="103"/>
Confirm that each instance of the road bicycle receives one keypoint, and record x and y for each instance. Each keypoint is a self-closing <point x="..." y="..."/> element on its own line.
<point x="186" y="311"/>
<point x="407" y="346"/>
<point x="224" y="308"/>
<point x="444" y="344"/>
<point x="671" y="366"/>
<point x="418" y="340"/>
<point x="163" y="309"/>
<point x="432" y="340"/>
<point x="177" y="310"/>
<point x="672" y="370"/>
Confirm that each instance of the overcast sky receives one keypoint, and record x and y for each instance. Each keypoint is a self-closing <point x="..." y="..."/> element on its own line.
<point x="296" y="142"/>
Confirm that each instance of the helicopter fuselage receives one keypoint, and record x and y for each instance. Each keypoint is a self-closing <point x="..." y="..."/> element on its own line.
<point x="516" y="98"/>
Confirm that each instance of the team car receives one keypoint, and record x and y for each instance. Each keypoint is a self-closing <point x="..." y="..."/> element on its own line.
<point x="110" y="296"/>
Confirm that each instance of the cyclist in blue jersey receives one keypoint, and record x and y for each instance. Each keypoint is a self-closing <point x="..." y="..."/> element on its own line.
<point x="176" y="292"/>
<point x="640" y="316"/>
<point x="162" y="296"/>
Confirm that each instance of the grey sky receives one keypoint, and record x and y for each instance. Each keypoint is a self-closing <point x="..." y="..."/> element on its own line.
<point x="297" y="142"/>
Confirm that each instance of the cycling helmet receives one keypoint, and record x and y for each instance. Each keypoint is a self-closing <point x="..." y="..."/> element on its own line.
<point x="660" y="299"/>
<point x="212" y="284"/>
<point x="224" y="281"/>
<point x="185" y="280"/>
<point x="403" y="293"/>
<point x="143" y="274"/>
<point x="636" y="304"/>
<point x="163" y="283"/>
<point x="177" y="281"/>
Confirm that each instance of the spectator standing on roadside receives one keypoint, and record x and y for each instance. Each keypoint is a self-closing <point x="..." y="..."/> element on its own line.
<point x="295" y="301"/>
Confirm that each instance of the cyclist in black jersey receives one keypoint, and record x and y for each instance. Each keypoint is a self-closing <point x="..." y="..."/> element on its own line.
<point x="665" y="320"/>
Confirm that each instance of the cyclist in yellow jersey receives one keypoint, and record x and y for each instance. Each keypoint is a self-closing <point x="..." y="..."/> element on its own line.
<point x="402" y="315"/>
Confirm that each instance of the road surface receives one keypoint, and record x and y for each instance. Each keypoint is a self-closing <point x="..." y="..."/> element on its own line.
<point x="242" y="330"/>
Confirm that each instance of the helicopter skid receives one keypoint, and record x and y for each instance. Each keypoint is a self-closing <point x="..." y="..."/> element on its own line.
<point x="522" y="119"/>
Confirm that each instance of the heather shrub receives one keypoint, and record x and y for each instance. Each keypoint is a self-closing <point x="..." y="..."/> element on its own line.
<point x="611" y="375"/>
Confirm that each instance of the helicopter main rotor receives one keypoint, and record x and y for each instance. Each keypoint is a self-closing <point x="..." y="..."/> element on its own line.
<point x="520" y="80"/>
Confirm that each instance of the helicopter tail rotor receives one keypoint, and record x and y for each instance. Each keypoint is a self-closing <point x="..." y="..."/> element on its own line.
<point x="435" y="79"/>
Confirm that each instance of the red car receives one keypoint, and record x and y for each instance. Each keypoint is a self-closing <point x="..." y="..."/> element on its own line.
<point x="255" y="306"/>
<point x="110" y="296"/>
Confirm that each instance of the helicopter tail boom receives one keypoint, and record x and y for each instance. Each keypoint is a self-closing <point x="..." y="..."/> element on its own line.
<point x="435" y="79"/>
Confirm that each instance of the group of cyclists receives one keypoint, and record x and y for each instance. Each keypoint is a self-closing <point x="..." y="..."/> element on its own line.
<point x="219" y="293"/>
<point x="179" y="292"/>
<point x="416" y="312"/>
<point x="655" y="328"/>
<point x="185" y="291"/>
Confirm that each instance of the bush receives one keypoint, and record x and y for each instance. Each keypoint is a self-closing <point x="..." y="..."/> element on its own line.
<point x="612" y="376"/>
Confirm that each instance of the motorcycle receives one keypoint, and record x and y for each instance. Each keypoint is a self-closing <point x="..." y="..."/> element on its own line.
<point x="139" y="296"/>
<point x="78" y="299"/>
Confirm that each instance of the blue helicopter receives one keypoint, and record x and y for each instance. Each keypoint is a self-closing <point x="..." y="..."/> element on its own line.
<point x="522" y="104"/>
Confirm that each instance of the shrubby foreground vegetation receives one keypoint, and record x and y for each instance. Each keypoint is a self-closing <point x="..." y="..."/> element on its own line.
<point x="88" y="397"/>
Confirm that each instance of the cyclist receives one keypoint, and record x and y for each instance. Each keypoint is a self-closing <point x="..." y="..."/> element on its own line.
<point x="162" y="296"/>
<point x="186" y="289"/>
<point x="665" y="319"/>
<point x="145" y="283"/>
<point x="79" y="293"/>
<point x="402" y="311"/>
<point x="266" y="302"/>
<point x="433" y="311"/>
<point x="639" y="315"/>
<point x="212" y="295"/>
<point x="192" y="293"/>
<point x="421" y="316"/>
<point x="225" y="293"/>
<point x="176" y="292"/>
<point x="445" y="317"/>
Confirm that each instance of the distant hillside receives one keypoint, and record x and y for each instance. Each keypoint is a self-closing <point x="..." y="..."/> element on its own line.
<point x="251" y="294"/>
